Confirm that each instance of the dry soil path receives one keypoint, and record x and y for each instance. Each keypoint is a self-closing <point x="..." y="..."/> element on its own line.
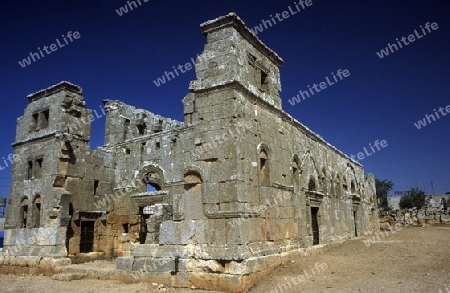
<point x="413" y="259"/>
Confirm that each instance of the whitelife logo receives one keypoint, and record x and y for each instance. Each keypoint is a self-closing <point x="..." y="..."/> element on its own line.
<point x="124" y="9"/>
<point x="53" y="47"/>
<point x="411" y="38"/>
<point x="281" y="16"/>
<point x="377" y="144"/>
<point x="423" y="123"/>
<point x="323" y="85"/>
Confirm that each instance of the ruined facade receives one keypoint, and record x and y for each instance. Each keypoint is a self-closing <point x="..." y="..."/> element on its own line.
<point x="215" y="201"/>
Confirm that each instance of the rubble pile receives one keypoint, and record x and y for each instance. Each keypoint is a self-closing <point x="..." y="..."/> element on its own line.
<point x="423" y="217"/>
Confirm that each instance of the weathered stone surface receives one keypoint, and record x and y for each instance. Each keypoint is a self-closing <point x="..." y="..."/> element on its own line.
<point x="176" y="232"/>
<point x="234" y="190"/>
<point x="125" y="263"/>
<point x="154" y="264"/>
<point x="68" y="277"/>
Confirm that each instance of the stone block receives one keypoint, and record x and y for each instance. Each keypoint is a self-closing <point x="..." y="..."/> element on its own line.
<point x="154" y="264"/>
<point x="211" y="231"/>
<point x="125" y="263"/>
<point x="161" y="251"/>
<point x="63" y="261"/>
<point x="228" y="191"/>
<point x="176" y="232"/>
<point x="199" y="265"/>
<point x="33" y="261"/>
<point x="21" y="261"/>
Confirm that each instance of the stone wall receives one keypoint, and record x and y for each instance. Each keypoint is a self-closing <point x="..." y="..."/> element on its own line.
<point x="424" y="216"/>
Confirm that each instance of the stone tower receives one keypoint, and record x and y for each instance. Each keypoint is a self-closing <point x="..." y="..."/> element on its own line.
<point x="49" y="137"/>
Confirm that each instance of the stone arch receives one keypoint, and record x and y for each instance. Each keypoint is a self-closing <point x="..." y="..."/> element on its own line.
<point x="152" y="178"/>
<point x="352" y="179"/>
<point x="295" y="173"/>
<point x="309" y="169"/>
<point x="264" y="165"/>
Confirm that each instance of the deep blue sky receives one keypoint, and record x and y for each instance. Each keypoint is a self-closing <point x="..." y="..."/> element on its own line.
<point x="118" y="57"/>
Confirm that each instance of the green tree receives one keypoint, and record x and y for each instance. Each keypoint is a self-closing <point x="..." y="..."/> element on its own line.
<point x="383" y="187"/>
<point x="416" y="198"/>
<point x="406" y="202"/>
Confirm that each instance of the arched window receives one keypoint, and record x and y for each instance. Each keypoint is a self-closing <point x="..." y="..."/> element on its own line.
<point x="37" y="211"/>
<point x="264" y="178"/>
<point x="295" y="174"/>
<point x="24" y="212"/>
<point x="153" y="181"/>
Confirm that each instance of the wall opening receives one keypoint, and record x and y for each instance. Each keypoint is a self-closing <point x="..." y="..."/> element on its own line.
<point x="142" y="128"/>
<point x="45" y="115"/>
<point x="173" y="143"/>
<point x="38" y="169"/>
<point x="153" y="181"/>
<point x="152" y="187"/>
<point x="87" y="236"/>
<point x="125" y="128"/>
<point x="264" y="81"/>
<point x="143" y="217"/>
<point x="355" y="219"/>
<point x="34" y="126"/>
<point x="315" y="225"/>
<point x="30" y="170"/>
<point x="24" y="213"/>
<point x="264" y="174"/>
<point x="37" y="212"/>
<point x="96" y="183"/>
<point x="295" y="176"/>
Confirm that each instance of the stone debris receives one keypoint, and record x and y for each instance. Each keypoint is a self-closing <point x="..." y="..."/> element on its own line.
<point x="423" y="217"/>
<point x="68" y="277"/>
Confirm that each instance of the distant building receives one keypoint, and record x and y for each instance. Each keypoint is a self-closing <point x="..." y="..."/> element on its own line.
<point x="435" y="200"/>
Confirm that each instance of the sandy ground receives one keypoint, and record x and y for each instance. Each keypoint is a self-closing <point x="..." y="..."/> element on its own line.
<point x="413" y="259"/>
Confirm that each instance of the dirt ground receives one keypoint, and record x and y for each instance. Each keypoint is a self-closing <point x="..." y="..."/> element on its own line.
<point x="413" y="259"/>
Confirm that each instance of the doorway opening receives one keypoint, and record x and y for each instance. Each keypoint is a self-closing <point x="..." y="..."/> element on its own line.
<point x="315" y="225"/>
<point x="143" y="217"/>
<point x="87" y="236"/>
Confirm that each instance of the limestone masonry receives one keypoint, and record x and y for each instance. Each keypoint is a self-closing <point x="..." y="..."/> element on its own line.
<point x="214" y="202"/>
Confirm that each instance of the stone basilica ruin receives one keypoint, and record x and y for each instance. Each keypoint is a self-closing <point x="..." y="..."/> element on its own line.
<point x="214" y="202"/>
